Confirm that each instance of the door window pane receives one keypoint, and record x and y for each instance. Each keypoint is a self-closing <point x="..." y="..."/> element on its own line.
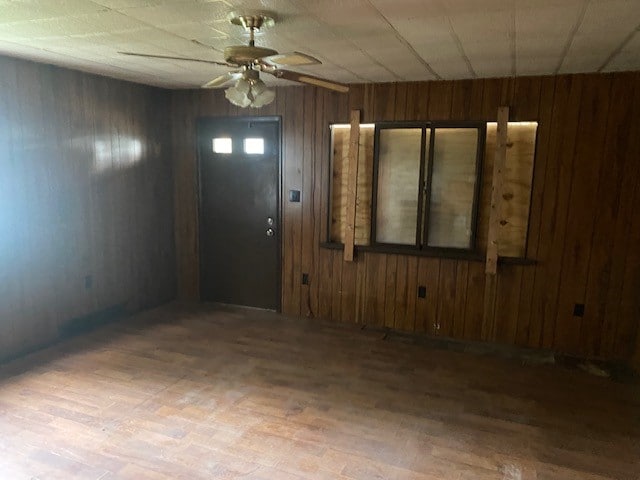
<point x="222" y="145"/>
<point x="254" y="146"/>
<point x="453" y="185"/>
<point x="398" y="185"/>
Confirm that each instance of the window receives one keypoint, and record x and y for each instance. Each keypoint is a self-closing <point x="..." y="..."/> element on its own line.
<point x="427" y="185"/>
<point x="222" y="145"/>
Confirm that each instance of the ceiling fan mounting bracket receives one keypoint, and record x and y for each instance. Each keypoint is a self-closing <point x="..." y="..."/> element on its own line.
<point x="252" y="21"/>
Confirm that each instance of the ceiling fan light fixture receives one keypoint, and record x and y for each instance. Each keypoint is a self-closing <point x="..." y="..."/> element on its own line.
<point x="250" y="91"/>
<point x="261" y="94"/>
<point x="258" y="87"/>
<point x="240" y="93"/>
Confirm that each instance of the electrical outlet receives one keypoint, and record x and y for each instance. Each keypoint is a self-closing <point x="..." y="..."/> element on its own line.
<point x="422" y="291"/>
<point x="305" y="279"/>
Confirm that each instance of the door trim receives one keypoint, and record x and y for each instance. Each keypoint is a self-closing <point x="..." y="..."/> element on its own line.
<point x="200" y="123"/>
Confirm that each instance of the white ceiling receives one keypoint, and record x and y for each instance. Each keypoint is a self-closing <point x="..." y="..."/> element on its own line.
<point x="357" y="40"/>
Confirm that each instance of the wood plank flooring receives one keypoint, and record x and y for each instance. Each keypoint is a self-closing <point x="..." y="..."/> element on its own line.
<point x="195" y="392"/>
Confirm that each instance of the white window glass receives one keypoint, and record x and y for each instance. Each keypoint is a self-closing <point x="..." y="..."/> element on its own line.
<point x="254" y="146"/>
<point x="222" y="145"/>
<point x="453" y="186"/>
<point x="398" y="185"/>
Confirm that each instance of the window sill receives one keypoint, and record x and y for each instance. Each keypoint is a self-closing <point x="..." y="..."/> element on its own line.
<point x="444" y="253"/>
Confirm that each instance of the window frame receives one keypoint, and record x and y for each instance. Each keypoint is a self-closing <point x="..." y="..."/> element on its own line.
<point x="424" y="188"/>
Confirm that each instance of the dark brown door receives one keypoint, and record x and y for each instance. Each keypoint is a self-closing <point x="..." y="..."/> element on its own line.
<point x="239" y="211"/>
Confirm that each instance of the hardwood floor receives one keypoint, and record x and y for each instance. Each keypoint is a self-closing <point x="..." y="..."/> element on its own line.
<point x="211" y="392"/>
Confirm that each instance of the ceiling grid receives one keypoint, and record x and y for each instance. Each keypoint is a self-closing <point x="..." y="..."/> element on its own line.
<point x="356" y="40"/>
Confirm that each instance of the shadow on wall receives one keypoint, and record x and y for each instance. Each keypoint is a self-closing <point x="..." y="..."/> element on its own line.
<point x="86" y="199"/>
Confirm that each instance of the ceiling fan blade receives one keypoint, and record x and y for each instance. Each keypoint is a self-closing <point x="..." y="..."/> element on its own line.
<point x="291" y="59"/>
<point x="309" y="79"/>
<point x="222" y="79"/>
<point x="165" y="57"/>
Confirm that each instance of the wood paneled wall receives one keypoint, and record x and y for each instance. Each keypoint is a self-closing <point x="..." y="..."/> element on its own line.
<point x="584" y="228"/>
<point x="86" y="200"/>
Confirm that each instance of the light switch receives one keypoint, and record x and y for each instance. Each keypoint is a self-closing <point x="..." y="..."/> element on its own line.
<point x="294" y="196"/>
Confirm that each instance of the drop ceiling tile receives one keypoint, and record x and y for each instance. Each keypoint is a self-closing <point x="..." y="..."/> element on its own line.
<point x="633" y="44"/>
<point x="80" y="25"/>
<point x="70" y="61"/>
<point x="536" y="65"/>
<point x="491" y="66"/>
<point x="351" y="56"/>
<point x="525" y="4"/>
<point x="325" y="48"/>
<point x="349" y="18"/>
<point x="350" y="9"/>
<point x="452" y="69"/>
<point x="540" y="46"/>
<point x="119" y="4"/>
<point x="419" y="76"/>
<point x="22" y="11"/>
<point x="199" y="31"/>
<point x="597" y="43"/>
<point x="423" y="30"/>
<point x="301" y="26"/>
<point x="116" y="44"/>
<point x="377" y="40"/>
<point x="472" y="7"/>
<point x="408" y="70"/>
<point x="22" y="51"/>
<point x="173" y="44"/>
<point x="385" y="55"/>
<point x="580" y="63"/>
<point x="439" y="52"/>
<point x="171" y="14"/>
<point x="551" y="21"/>
<point x="586" y="55"/>
<point x="479" y="26"/>
<point x="610" y="16"/>
<point x="373" y="71"/>
<point x="626" y="60"/>
<point x="487" y="49"/>
<point x="396" y="12"/>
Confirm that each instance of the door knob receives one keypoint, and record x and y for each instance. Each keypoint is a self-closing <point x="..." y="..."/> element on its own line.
<point x="270" y="232"/>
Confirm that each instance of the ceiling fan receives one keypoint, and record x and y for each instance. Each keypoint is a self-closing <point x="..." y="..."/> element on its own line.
<point x="247" y="61"/>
